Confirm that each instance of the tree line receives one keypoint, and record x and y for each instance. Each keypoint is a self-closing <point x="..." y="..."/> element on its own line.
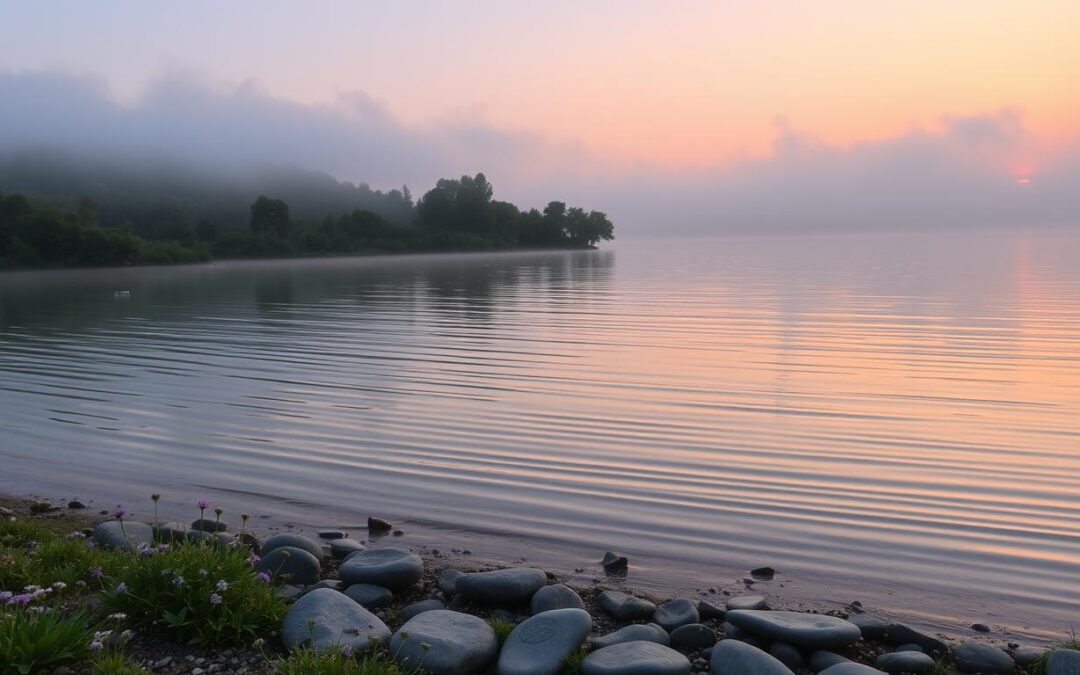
<point x="457" y="214"/>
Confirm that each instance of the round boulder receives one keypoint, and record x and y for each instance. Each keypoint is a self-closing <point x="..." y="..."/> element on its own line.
<point x="127" y="536"/>
<point x="813" y="631"/>
<point x="442" y="642"/>
<point x="393" y="568"/>
<point x="418" y="608"/>
<point x="538" y="645"/>
<point x="635" y="632"/>
<point x="294" y="540"/>
<point x="983" y="658"/>
<point x="325" y="620"/>
<point x="675" y="613"/>
<point x="209" y="525"/>
<point x="340" y="548"/>
<point x="851" y="668"/>
<point x="510" y="586"/>
<point x="732" y="657"/>
<point x="370" y="595"/>
<point x="692" y="637"/>
<point x="295" y="564"/>
<point x="905" y="662"/>
<point x="635" y="658"/>
<point x="625" y="607"/>
<point x="555" y="596"/>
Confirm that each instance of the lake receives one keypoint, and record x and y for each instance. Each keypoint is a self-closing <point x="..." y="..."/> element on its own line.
<point x="893" y="418"/>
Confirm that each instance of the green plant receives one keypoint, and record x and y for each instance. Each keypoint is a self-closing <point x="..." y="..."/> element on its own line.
<point x="1039" y="666"/>
<point x="113" y="663"/>
<point x="502" y="628"/>
<point x="31" y="554"/>
<point x="572" y="662"/>
<point x="310" y="662"/>
<point x="33" y="640"/>
<point x="200" y="593"/>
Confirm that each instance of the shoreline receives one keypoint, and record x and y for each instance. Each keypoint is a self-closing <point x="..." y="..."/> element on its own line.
<point x="650" y="577"/>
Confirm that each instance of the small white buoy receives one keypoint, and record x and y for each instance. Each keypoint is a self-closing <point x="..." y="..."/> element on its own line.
<point x="122" y="295"/>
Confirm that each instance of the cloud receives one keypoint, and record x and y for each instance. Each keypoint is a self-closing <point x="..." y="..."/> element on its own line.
<point x="961" y="173"/>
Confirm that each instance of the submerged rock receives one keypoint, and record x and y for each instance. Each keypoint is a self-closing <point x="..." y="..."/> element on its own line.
<point x="613" y="562"/>
<point x="378" y="524"/>
<point x="442" y="642"/>
<point x="635" y="658"/>
<point x="325" y="619"/>
<point x="538" y="645"/>
<point x="510" y="586"/>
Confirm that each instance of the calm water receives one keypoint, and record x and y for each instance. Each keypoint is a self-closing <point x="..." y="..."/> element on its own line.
<point x="876" y="413"/>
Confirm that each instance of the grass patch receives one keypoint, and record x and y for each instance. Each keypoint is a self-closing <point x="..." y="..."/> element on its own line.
<point x="1039" y="666"/>
<point x="502" y="628"/>
<point x="309" y="662"/>
<point x="33" y="554"/>
<point x="572" y="662"/>
<point x="199" y="593"/>
<point x="33" y="641"/>
<point x="113" y="663"/>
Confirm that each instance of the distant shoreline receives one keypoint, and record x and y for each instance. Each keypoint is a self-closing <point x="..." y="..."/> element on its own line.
<point x="313" y="256"/>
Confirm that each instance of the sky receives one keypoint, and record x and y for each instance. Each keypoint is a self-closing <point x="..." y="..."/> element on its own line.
<point x="738" y="115"/>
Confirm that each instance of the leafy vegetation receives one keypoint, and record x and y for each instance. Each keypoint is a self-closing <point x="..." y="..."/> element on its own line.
<point x="457" y="214"/>
<point x="572" y="662"/>
<point x="113" y="663"/>
<point x="35" y="638"/>
<point x="502" y="628"/>
<point x="310" y="662"/>
<point x="200" y="593"/>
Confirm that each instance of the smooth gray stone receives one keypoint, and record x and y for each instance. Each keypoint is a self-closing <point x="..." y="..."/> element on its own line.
<point x="675" y="613"/>
<point x="635" y="658"/>
<point x="299" y="566"/>
<point x="912" y="647"/>
<point x="209" y="525"/>
<point x="327" y="583"/>
<point x="337" y="621"/>
<point x="446" y="580"/>
<point x="110" y="534"/>
<point x="814" y="631"/>
<point x="905" y="662"/>
<point x="872" y="628"/>
<point x="822" y="659"/>
<point x="331" y="534"/>
<point x="789" y="655"/>
<point x="625" y="607"/>
<point x="692" y="637"/>
<point x="370" y="595"/>
<point x="168" y="533"/>
<point x="734" y="632"/>
<point x="418" y="608"/>
<point x="983" y="658"/>
<point x="538" y="645"/>
<point x="1025" y="656"/>
<point x="394" y="568"/>
<point x="899" y="634"/>
<point x="732" y="657"/>
<point x="294" y="540"/>
<point x="340" y="548"/>
<point x="288" y="592"/>
<point x="648" y="632"/>
<point x="747" y="602"/>
<point x="556" y="596"/>
<point x="1063" y="662"/>
<point x="511" y="586"/>
<point x="711" y="610"/>
<point x="442" y="642"/>
<point x="851" y="668"/>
